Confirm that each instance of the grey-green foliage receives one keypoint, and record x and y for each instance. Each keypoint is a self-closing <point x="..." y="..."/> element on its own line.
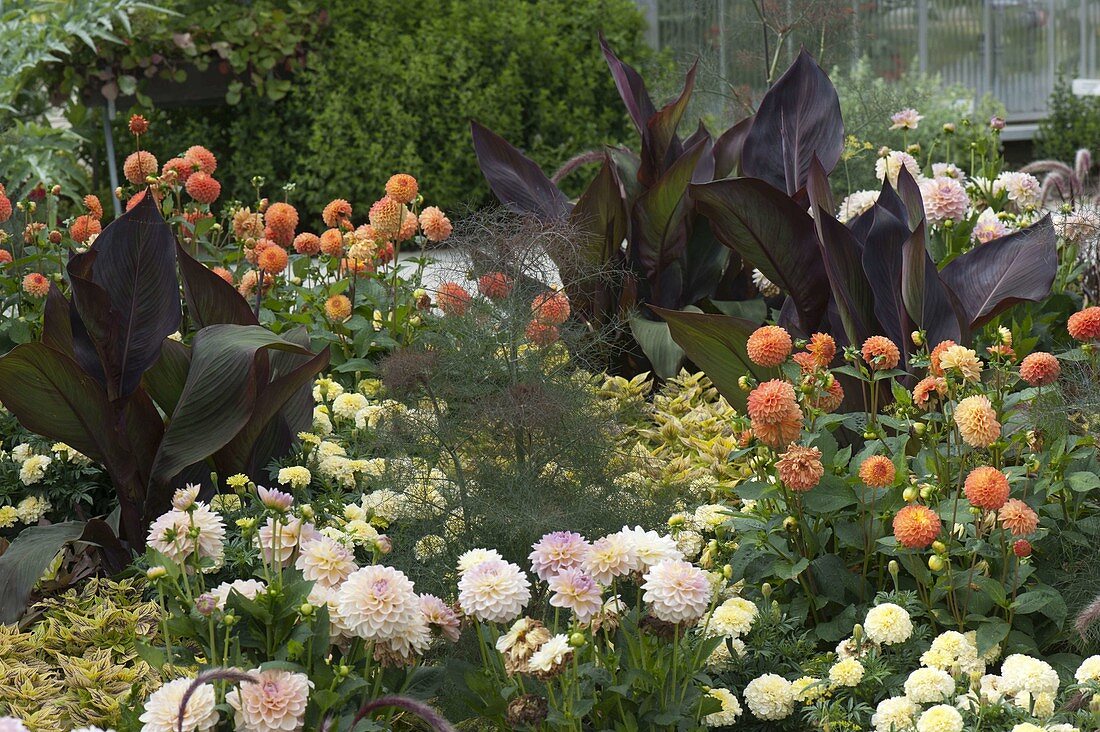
<point x="867" y="101"/>
<point x="35" y="144"/>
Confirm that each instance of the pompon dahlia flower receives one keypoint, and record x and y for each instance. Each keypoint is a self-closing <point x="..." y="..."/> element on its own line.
<point x="1084" y="325"/>
<point x="550" y="307"/>
<point x="769" y="346"/>
<point x="916" y="526"/>
<point x="377" y="603"/>
<point x="275" y="703"/>
<point x="495" y="285"/>
<point x="775" y="414"/>
<point x="386" y="215"/>
<point x="84" y="227"/>
<point x="800" y="468"/>
<point x="934" y="366"/>
<point x="435" y="224"/>
<point x="402" y="188"/>
<point x="877" y="471"/>
<point x="574" y="590"/>
<point x="5" y="205"/>
<point x="93" y="206"/>
<point x="961" y="360"/>
<point x="332" y="243"/>
<point x="452" y="298"/>
<point x="494" y="591"/>
<point x="542" y="334"/>
<point x="945" y="199"/>
<point x="138" y="125"/>
<point x="676" y="591"/>
<point x="181" y="168"/>
<point x="138" y="166"/>
<point x="337" y="214"/>
<point x="281" y="219"/>
<point x="823" y="349"/>
<point x="1040" y="369"/>
<point x="199" y="156"/>
<point x="203" y="188"/>
<point x="927" y="388"/>
<point x="224" y="274"/>
<point x="831" y="399"/>
<point x="273" y="259"/>
<point x="977" y="421"/>
<point x="986" y="487"/>
<point x="1018" y="517"/>
<point x="880" y="353"/>
<point x="307" y="244"/>
<point x="556" y="552"/>
<point x="441" y="615"/>
<point x="36" y="285"/>
<point x="5" y="256"/>
<point x="338" y="308"/>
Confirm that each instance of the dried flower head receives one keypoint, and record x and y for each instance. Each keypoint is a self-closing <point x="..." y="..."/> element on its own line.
<point x="800" y="468"/>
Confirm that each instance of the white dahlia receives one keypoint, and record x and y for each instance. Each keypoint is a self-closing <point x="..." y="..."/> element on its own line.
<point x="945" y="199"/>
<point x="275" y="703"/>
<point x="325" y="561"/>
<point x="162" y="708"/>
<point x="676" y="591"/>
<point x="494" y="591"/>
<point x="377" y="603"/>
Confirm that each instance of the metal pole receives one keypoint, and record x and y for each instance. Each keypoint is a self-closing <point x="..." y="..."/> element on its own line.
<point x="109" y="142"/>
<point x="1083" y="40"/>
<point x="922" y="36"/>
<point x="987" y="47"/>
<point x="855" y="33"/>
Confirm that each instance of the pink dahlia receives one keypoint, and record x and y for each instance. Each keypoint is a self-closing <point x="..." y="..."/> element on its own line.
<point x="576" y="591"/>
<point x="945" y="199"/>
<point x="276" y="702"/>
<point x="677" y="591"/>
<point x="494" y="591"/>
<point x="557" y="551"/>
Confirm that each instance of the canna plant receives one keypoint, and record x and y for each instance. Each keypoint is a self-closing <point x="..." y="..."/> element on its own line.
<point x="107" y="379"/>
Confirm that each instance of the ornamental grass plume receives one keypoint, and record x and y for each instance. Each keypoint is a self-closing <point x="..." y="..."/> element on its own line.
<point x="977" y="421"/>
<point x="880" y="353"/>
<point x="916" y="526"/>
<point x="1040" y="369"/>
<point x="877" y="471"/>
<point x="800" y="468"/>
<point x="769" y="346"/>
<point x="986" y="487"/>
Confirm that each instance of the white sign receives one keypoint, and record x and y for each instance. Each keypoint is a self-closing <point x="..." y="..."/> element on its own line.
<point x="1086" y="87"/>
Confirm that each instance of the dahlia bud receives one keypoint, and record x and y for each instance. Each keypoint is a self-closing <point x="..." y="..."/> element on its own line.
<point x="919" y="428"/>
<point x="138" y="125"/>
<point x="909" y="494"/>
<point x="206" y="604"/>
<point x="743" y="382"/>
<point x="925" y="492"/>
<point x="383" y="544"/>
<point x="996" y="123"/>
<point x="829" y="380"/>
<point x="1022" y="548"/>
<point x="939" y="547"/>
<point x="118" y="193"/>
<point x="790" y="523"/>
<point x="949" y="128"/>
<point x="55" y="237"/>
<point x="155" y="573"/>
<point x="883" y="151"/>
<point x="917" y="337"/>
<point x="677" y="520"/>
<point x="727" y="571"/>
<point x="577" y="640"/>
<point x="869" y="434"/>
<point x="56" y="190"/>
<point x="305" y="610"/>
<point x="936" y="563"/>
<point x="913" y="149"/>
<point x="857" y="632"/>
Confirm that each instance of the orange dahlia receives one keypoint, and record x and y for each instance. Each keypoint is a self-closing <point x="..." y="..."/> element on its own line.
<point x="94" y="207"/>
<point x="282" y="218"/>
<point x="338" y="308"/>
<point x="1040" y="369"/>
<point x="977" y="422"/>
<point x="542" y="334"/>
<point x="385" y="252"/>
<point x="83" y="227"/>
<point x="1085" y="325"/>
<point x="402" y="188"/>
<point x="386" y="215"/>
<point x="435" y="224"/>
<point x="138" y="125"/>
<point x="332" y="242"/>
<point x="200" y="156"/>
<point x="928" y="387"/>
<point x="916" y="526"/>
<point x="139" y="166"/>
<point x="203" y="188"/>
<point x="251" y="278"/>
<point x="5" y="256"/>
<point x="934" y="358"/>
<point x="877" y="471"/>
<point x="252" y="254"/>
<point x="337" y="214"/>
<point x="355" y="266"/>
<point x="1021" y="548"/>
<point x="182" y="168"/>
<point x="771" y="401"/>
<point x="408" y="227"/>
<point x="224" y="274"/>
<point x="551" y="307"/>
<point x="805" y="361"/>
<point x="136" y="199"/>
<point x="769" y="346"/>
<point x="831" y="400"/>
<point x="36" y="285"/>
<point x="800" y="468"/>
<point x="823" y="348"/>
<point x="272" y="259"/>
<point x="452" y="298"/>
<point x="1018" y="517"/>
<point x="5" y="207"/>
<point x="307" y="243"/>
<point x="986" y="487"/>
<point x="495" y="285"/>
<point x="880" y="353"/>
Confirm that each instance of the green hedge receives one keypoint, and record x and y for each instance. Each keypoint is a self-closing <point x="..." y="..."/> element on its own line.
<point x="1072" y="123"/>
<point x="392" y="89"/>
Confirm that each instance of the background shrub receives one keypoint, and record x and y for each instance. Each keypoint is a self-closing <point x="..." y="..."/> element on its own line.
<point x="389" y="91"/>
<point x="1073" y="122"/>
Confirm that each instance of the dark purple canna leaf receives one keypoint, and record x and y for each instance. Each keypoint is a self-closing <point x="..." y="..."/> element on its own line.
<point x="601" y="217"/>
<point x="660" y="145"/>
<point x="631" y="88"/>
<point x="769" y="230"/>
<point x="165" y="379"/>
<point x="57" y="331"/>
<point x="992" y="277"/>
<point x="515" y="179"/>
<point x="889" y="199"/>
<point x="717" y="345"/>
<point x="909" y="193"/>
<point x="133" y="263"/>
<point x="847" y="280"/>
<point x="927" y="302"/>
<point x="728" y="149"/>
<point x="210" y="299"/>
<point x="882" y="263"/>
<point x="799" y="117"/>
